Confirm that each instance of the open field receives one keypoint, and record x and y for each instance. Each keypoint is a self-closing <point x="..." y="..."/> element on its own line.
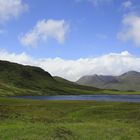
<point x="68" y="120"/>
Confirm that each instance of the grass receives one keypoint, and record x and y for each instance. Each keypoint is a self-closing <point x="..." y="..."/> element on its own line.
<point x="120" y="92"/>
<point x="68" y="120"/>
<point x="16" y="79"/>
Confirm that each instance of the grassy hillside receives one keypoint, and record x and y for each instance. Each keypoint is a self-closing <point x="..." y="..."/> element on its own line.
<point x="68" y="120"/>
<point x="64" y="81"/>
<point x="17" y="79"/>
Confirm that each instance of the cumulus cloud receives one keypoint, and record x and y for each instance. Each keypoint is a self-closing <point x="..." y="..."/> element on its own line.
<point x="11" y="9"/>
<point x="127" y="4"/>
<point x="44" y="30"/>
<point x="113" y="63"/>
<point x="131" y="29"/>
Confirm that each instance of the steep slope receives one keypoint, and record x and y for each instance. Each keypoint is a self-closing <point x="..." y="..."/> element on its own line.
<point x="16" y="79"/>
<point x="24" y="76"/>
<point x="97" y="80"/>
<point x="24" y="79"/>
<point x="127" y="81"/>
<point x="64" y="81"/>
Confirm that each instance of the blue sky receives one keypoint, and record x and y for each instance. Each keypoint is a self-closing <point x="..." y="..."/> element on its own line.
<point x="70" y="29"/>
<point x="92" y="31"/>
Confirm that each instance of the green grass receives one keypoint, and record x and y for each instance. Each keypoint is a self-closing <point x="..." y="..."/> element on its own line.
<point x="16" y="79"/>
<point x="120" y="92"/>
<point x="68" y="120"/>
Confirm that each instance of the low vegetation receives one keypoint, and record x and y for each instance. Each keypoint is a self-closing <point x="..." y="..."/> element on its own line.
<point x="68" y="120"/>
<point x="16" y="79"/>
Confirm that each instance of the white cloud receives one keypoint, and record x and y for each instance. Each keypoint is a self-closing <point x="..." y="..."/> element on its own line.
<point x="113" y="63"/>
<point x="11" y="9"/>
<point x="127" y="4"/>
<point x="131" y="29"/>
<point x="44" y="30"/>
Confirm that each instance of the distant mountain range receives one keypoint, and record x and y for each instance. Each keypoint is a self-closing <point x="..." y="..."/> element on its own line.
<point x="126" y="82"/>
<point x="16" y="79"/>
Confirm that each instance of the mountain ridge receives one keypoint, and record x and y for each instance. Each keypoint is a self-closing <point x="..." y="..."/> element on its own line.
<point x="126" y="81"/>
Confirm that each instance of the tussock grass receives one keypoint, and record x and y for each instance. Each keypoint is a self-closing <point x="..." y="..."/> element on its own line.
<point x="68" y="120"/>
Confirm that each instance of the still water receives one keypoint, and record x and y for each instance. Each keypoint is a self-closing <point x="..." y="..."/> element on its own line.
<point x="112" y="98"/>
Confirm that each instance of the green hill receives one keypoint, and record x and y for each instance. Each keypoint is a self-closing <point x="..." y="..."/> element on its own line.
<point x="16" y="79"/>
<point x="64" y="81"/>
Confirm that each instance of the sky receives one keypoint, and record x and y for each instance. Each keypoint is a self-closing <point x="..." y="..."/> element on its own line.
<point x="72" y="38"/>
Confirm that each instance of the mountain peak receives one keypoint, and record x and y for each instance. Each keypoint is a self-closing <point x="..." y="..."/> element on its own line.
<point x="129" y="73"/>
<point x="127" y="81"/>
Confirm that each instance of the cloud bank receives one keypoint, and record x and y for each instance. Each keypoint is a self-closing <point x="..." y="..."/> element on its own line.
<point x="11" y="9"/>
<point x="44" y="30"/>
<point x="127" y="4"/>
<point x="113" y="63"/>
<point x="131" y="29"/>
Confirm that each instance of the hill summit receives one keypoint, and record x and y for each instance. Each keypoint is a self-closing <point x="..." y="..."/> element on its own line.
<point x="127" y="81"/>
<point x="16" y="79"/>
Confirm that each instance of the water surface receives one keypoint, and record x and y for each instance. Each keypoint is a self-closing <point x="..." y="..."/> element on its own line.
<point x="112" y="98"/>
